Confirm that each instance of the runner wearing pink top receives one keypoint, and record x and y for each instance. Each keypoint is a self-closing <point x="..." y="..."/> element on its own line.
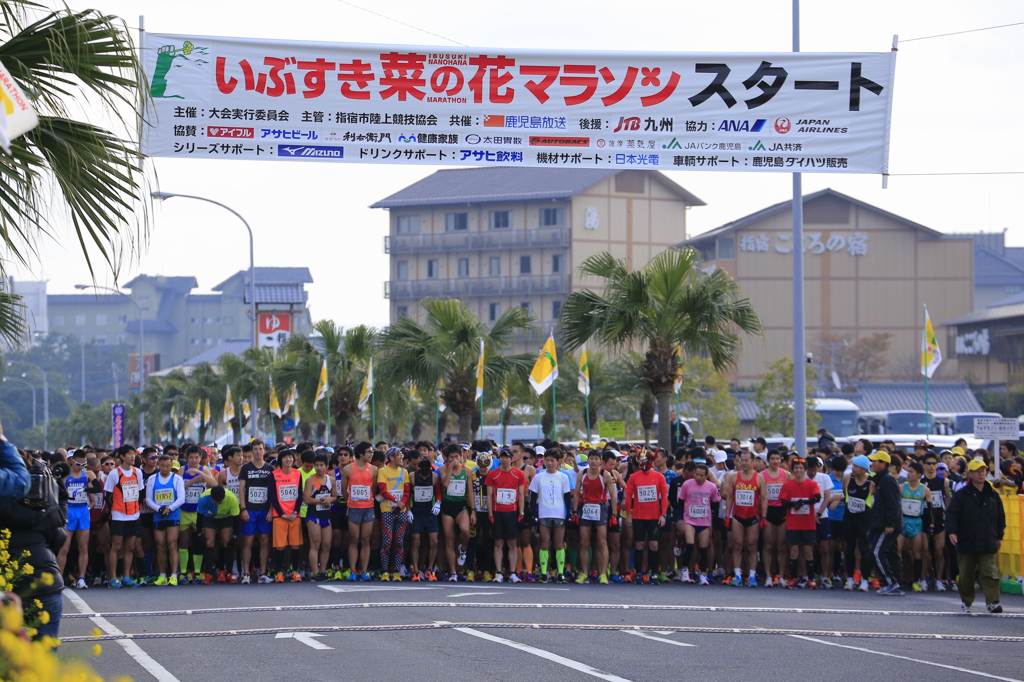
<point x="695" y="497"/>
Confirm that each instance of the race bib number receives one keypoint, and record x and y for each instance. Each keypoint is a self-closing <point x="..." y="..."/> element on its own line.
<point x="744" y="498"/>
<point x="457" y="487"/>
<point x="322" y="506"/>
<point x="130" y="492"/>
<point x="423" y="493"/>
<point x="803" y="509"/>
<point x="647" y="493"/>
<point x="773" y="491"/>
<point x="359" y="493"/>
<point x="856" y="505"/>
<point x="163" y="496"/>
<point x="257" y="495"/>
<point x="288" y="493"/>
<point x="76" y="491"/>
<point x="233" y="487"/>
<point x="911" y="507"/>
<point x="193" y="493"/>
<point x="938" y="501"/>
<point x="697" y="511"/>
<point x="591" y="512"/>
<point x="505" y="496"/>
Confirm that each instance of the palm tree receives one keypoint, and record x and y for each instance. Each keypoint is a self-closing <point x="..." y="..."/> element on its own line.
<point x="447" y="346"/>
<point x="207" y="385"/>
<point x="66" y="168"/>
<point x="239" y="375"/>
<point x="669" y="301"/>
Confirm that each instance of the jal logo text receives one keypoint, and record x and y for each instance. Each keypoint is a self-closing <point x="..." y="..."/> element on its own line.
<point x="627" y="124"/>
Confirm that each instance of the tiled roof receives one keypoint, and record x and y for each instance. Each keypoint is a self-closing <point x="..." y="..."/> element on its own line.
<point x="277" y="293"/>
<point x="991" y="314"/>
<point x="271" y="276"/>
<point x="212" y="355"/>
<point x="476" y="185"/>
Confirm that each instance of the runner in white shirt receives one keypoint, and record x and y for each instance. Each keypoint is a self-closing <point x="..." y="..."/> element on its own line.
<point x="550" y="492"/>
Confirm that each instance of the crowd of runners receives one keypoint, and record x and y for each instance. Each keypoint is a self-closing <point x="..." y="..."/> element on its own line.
<point x="858" y="519"/>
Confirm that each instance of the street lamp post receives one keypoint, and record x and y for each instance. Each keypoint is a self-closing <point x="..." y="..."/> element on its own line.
<point x="31" y="386"/>
<point x="252" y="278"/>
<point x="142" y="353"/>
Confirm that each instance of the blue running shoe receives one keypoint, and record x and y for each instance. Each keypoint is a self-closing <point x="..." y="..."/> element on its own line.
<point x="128" y="582"/>
<point x="365" y="577"/>
<point x="114" y="584"/>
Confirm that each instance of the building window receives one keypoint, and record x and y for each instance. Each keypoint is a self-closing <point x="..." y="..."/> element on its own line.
<point x="454" y="222"/>
<point x="432" y="268"/>
<point x="193" y="342"/>
<point x="501" y="219"/>
<point x="58" y="320"/>
<point x="122" y="319"/>
<point x="550" y="217"/>
<point x="556" y="309"/>
<point x="79" y="320"/>
<point x="207" y="320"/>
<point x="525" y="305"/>
<point x="218" y="320"/>
<point x="525" y="265"/>
<point x="209" y="342"/>
<point x="193" y="320"/>
<point x="101" y="320"/>
<point x="726" y="248"/>
<point x="402" y="269"/>
<point x="463" y="267"/>
<point x="101" y="340"/>
<point x="492" y="311"/>
<point x="494" y="266"/>
<point x="122" y="339"/>
<point x="402" y="311"/>
<point x="407" y="224"/>
<point x="556" y="263"/>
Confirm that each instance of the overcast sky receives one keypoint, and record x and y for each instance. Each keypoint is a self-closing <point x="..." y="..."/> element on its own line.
<point x="957" y="104"/>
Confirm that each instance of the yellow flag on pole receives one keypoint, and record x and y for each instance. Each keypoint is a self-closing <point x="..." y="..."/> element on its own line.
<point x="931" y="355"/>
<point x="246" y="410"/>
<point x="321" y="387"/>
<point x="440" y="403"/>
<point x="229" y="407"/>
<point x="295" y="402"/>
<point x="197" y="417"/>
<point x="584" y="374"/>
<point x="545" y="371"/>
<point x="678" y="381"/>
<point x="275" y="406"/>
<point x="206" y="411"/>
<point x="364" y="396"/>
<point x="480" y="373"/>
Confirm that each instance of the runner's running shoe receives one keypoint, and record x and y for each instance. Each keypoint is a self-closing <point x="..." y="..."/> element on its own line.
<point x="581" y="578"/>
<point x="247" y="579"/>
<point x="514" y="578"/>
<point x="80" y="584"/>
<point x="603" y="580"/>
<point x="279" y="578"/>
<point x="736" y="581"/>
<point x="703" y="580"/>
<point x="365" y="577"/>
<point x="266" y="579"/>
<point x="114" y="584"/>
<point x="296" y="578"/>
<point x="499" y="578"/>
<point x="173" y="580"/>
<point x="222" y="577"/>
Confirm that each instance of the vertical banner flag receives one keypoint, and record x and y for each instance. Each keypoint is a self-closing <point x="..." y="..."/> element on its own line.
<point x="246" y="410"/>
<point x="293" y="400"/>
<point x="364" y="396"/>
<point x="583" y="382"/>
<point x="174" y="418"/>
<point x="480" y="373"/>
<point x="289" y="400"/>
<point x="931" y="356"/>
<point x="321" y="386"/>
<point x="197" y="417"/>
<point x="545" y="371"/>
<point x="117" y="412"/>
<point x="440" y="389"/>
<point x="229" y="407"/>
<point x="206" y="411"/>
<point x="275" y="406"/>
<point x="677" y="384"/>
<point x="504" y="396"/>
<point x="244" y="98"/>
<point x="17" y="116"/>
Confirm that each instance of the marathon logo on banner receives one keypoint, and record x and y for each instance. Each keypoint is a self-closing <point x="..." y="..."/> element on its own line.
<point x="351" y="103"/>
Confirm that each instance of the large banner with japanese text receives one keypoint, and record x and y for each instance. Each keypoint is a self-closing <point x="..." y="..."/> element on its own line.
<point x="241" y="98"/>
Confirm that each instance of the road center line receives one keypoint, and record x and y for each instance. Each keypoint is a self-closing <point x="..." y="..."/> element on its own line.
<point x="907" y="658"/>
<point x="547" y="655"/>
<point x="148" y="663"/>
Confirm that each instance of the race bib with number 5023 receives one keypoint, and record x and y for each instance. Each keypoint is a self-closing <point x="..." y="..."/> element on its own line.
<point x="256" y="495"/>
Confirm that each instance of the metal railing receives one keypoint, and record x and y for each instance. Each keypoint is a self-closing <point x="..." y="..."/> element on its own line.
<point x="546" y="237"/>
<point x="458" y="287"/>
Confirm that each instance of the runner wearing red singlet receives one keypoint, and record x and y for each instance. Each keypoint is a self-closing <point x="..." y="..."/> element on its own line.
<point x="596" y="502"/>
<point x="746" y="509"/>
<point x="775" y="552"/>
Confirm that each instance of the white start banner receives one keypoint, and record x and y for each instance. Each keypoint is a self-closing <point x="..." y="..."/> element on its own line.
<point x="241" y="98"/>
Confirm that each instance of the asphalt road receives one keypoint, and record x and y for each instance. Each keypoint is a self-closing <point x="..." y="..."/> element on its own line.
<point x="441" y="631"/>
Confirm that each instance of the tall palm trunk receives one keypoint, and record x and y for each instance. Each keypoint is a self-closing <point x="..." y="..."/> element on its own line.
<point x="466" y="426"/>
<point x="664" y="399"/>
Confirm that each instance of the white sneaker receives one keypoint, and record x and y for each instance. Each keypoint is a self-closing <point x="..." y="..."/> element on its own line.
<point x="849" y="585"/>
<point x="514" y="578"/>
<point x="453" y="578"/>
<point x="940" y="586"/>
<point x="246" y="579"/>
<point x="964" y="608"/>
<point x="684" y="576"/>
<point x="265" y="579"/>
<point x="403" y="571"/>
<point x="864" y="586"/>
<point x="703" y="580"/>
<point x="461" y="561"/>
<point x="81" y="584"/>
<point x="498" y="578"/>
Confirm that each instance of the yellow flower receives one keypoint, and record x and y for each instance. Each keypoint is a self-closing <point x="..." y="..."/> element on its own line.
<point x="46" y="579"/>
<point x="96" y="632"/>
<point x="44" y="617"/>
<point x="97" y="650"/>
<point x="10" y="619"/>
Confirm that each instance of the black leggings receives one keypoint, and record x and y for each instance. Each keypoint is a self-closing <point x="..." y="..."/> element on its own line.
<point x="856" y="529"/>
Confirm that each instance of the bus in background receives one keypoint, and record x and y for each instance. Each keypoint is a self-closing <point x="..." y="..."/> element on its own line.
<point x="870" y="423"/>
<point x="907" y="421"/>
<point x="839" y="416"/>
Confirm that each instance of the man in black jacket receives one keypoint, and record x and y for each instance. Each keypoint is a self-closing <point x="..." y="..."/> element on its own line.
<point x="975" y="522"/>
<point x="887" y="524"/>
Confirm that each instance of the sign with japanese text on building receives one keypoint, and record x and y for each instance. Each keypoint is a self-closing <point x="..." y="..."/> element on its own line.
<point x="134" y="371"/>
<point x="274" y="329"/>
<point x="240" y="98"/>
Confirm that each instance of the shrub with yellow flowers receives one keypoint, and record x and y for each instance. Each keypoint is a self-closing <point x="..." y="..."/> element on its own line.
<point x="21" y="658"/>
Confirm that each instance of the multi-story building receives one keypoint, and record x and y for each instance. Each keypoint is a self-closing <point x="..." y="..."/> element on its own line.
<point x="178" y="324"/>
<point x="502" y="237"/>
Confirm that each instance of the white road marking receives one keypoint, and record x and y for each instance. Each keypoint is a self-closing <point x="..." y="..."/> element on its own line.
<point x="547" y="655"/>
<point x="304" y="637"/>
<point x="513" y="586"/>
<point x="334" y="588"/>
<point x="472" y="594"/>
<point x="907" y="658"/>
<point x="131" y="648"/>
<point x="657" y="639"/>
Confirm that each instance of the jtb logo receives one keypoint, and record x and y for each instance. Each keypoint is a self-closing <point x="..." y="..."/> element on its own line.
<point x="631" y="123"/>
<point x="741" y="126"/>
<point x="311" y="151"/>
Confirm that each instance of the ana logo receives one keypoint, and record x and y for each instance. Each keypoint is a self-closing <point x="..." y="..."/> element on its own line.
<point x="757" y="147"/>
<point x="783" y="125"/>
<point x="307" y="151"/>
<point x="165" y="57"/>
<point x="674" y="144"/>
<point x="733" y="126"/>
<point x="627" y="124"/>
